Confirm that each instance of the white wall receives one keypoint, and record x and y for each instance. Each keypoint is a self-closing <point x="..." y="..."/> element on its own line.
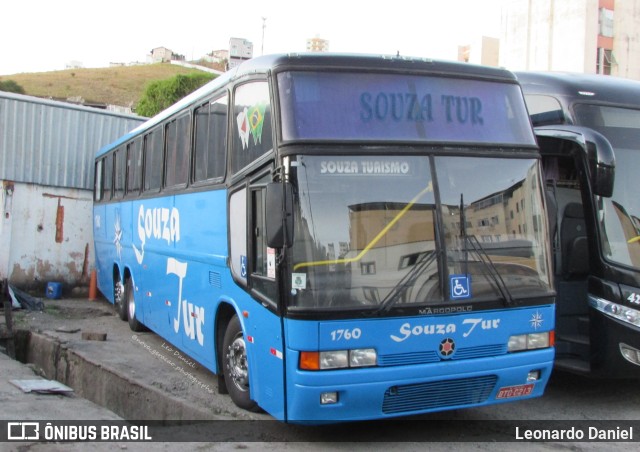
<point x="46" y="234"/>
<point x="549" y="35"/>
<point x="626" y="44"/>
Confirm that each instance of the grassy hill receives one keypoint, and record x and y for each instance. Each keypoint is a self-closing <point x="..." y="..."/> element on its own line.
<point x="117" y="85"/>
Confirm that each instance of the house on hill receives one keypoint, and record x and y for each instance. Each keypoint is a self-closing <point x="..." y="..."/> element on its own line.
<point x="164" y="55"/>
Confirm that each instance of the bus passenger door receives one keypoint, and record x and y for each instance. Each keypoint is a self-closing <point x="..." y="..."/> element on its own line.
<point x="260" y="315"/>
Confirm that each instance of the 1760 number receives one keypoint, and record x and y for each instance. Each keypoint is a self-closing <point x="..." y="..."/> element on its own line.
<point x="346" y="334"/>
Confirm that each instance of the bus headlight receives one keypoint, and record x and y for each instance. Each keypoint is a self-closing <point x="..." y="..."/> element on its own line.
<point x="362" y="357"/>
<point x="338" y="359"/>
<point x="530" y="341"/>
<point x="335" y="359"/>
<point x="617" y="311"/>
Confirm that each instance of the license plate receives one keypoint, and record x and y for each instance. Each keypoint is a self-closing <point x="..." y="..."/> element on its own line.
<point x="515" y="391"/>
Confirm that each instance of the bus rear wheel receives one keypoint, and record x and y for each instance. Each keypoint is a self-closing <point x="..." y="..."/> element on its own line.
<point x="130" y="302"/>
<point x="235" y="366"/>
<point x="120" y="301"/>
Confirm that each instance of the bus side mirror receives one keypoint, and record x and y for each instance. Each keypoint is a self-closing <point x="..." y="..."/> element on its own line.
<point x="601" y="158"/>
<point x="603" y="183"/>
<point x="279" y="213"/>
<point x="602" y="162"/>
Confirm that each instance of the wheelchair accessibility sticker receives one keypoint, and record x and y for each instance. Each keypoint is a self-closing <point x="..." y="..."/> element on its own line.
<point x="243" y="266"/>
<point x="460" y="286"/>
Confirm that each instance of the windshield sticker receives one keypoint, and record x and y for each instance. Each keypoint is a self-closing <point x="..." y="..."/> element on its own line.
<point x="243" y="128"/>
<point x="243" y="266"/>
<point x="271" y="263"/>
<point x="298" y="280"/>
<point x="460" y="286"/>
<point x="250" y="122"/>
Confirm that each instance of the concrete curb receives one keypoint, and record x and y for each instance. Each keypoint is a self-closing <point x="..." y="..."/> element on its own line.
<point x="106" y="386"/>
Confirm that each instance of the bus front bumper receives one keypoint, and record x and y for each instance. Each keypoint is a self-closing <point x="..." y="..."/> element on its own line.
<point x="386" y="392"/>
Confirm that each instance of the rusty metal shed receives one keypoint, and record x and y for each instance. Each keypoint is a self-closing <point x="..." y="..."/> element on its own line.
<point x="46" y="175"/>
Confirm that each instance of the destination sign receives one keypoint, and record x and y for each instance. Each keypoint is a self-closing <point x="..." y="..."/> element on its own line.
<point x="400" y="107"/>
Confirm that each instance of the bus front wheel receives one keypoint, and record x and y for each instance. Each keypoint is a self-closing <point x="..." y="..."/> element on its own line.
<point x="235" y="366"/>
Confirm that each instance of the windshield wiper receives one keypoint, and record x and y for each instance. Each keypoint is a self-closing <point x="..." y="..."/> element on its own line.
<point x="407" y="281"/>
<point x="484" y="257"/>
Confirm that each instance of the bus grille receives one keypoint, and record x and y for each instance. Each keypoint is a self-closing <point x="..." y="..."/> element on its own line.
<point x="404" y="359"/>
<point x="439" y="394"/>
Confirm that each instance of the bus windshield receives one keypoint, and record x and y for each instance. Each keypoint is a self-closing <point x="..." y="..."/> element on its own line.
<point x="620" y="214"/>
<point x="365" y="231"/>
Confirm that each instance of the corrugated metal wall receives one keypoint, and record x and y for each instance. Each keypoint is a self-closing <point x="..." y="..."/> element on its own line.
<point x="53" y="143"/>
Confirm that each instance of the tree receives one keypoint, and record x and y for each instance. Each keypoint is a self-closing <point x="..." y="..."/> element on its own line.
<point x="11" y="86"/>
<point x="161" y="94"/>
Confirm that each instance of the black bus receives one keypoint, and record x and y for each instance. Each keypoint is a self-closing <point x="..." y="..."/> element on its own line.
<point x="588" y="129"/>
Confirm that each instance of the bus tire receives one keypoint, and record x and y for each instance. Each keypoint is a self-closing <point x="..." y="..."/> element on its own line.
<point x="120" y="300"/>
<point x="235" y="366"/>
<point x="130" y="302"/>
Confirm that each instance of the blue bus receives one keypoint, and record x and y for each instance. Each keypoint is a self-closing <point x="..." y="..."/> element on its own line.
<point x="588" y="129"/>
<point x="338" y="237"/>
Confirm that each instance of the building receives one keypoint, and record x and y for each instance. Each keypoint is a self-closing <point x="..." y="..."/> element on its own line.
<point x="164" y="55"/>
<point x="484" y="50"/>
<point x="240" y="50"/>
<point x="217" y="56"/>
<point x="161" y="55"/>
<point x="587" y="36"/>
<point x="46" y="176"/>
<point x="317" y="44"/>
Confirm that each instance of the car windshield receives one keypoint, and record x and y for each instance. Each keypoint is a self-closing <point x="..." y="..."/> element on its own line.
<point x="619" y="215"/>
<point x="367" y="234"/>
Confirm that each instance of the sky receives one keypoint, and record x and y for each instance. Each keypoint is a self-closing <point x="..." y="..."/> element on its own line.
<point x="45" y="35"/>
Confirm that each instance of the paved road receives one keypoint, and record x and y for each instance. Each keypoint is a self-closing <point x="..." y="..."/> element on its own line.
<point x="159" y="390"/>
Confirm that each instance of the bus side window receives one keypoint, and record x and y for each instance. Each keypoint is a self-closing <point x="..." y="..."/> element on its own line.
<point x="108" y="177"/>
<point x="177" y="151"/>
<point x="252" y="135"/>
<point x="262" y="264"/>
<point x="259" y="225"/>
<point x="119" y="173"/>
<point x="210" y="141"/>
<point x="153" y="160"/>
<point x="98" y="180"/>
<point x="134" y="167"/>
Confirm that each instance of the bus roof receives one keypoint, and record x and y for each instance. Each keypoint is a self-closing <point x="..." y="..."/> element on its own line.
<point x="596" y="88"/>
<point x="322" y="61"/>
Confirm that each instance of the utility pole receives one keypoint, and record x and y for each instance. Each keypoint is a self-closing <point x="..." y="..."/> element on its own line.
<point x="264" y="25"/>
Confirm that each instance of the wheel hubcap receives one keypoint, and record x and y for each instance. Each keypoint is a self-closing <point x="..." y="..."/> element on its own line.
<point x="237" y="363"/>
<point x="132" y="306"/>
<point x="119" y="290"/>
